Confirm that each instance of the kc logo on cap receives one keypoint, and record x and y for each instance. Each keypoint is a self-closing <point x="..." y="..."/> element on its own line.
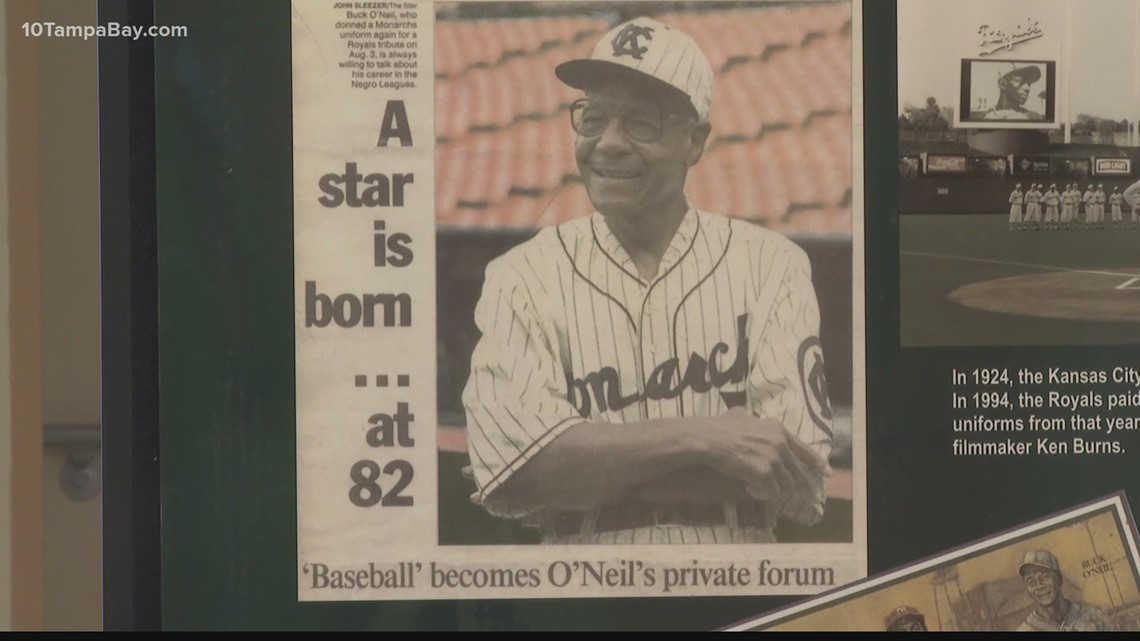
<point x="652" y="49"/>
<point x="626" y="42"/>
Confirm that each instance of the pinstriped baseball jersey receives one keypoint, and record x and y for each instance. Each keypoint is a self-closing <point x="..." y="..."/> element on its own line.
<point x="570" y="332"/>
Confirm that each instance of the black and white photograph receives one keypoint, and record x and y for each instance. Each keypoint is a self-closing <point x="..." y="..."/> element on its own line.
<point x="1020" y="225"/>
<point x="645" y="282"/>
<point x="1018" y="90"/>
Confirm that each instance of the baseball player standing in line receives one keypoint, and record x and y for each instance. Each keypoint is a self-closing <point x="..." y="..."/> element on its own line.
<point x="1099" y="199"/>
<point x="1052" y="199"/>
<point x="1076" y="205"/>
<point x="1032" y="207"/>
<point x="1075" y="221"/>
<point x="1015" y="200"/>
<point x="1077" y="208"/>
<point x="1025" y="208"/>
<point x="1132" y="195"/>
<point x="650" y="373"/>
<point x="1067" y="206"/>
<point x="1089" y="200"/>
<point x="1040" y="205"/>
<point x="1115" y="201"/>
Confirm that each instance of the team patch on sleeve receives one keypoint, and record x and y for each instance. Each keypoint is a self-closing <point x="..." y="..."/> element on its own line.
<point x="813" y="380"/>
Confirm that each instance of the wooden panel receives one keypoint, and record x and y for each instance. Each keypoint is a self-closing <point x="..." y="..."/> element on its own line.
<point x="26" y="321"/>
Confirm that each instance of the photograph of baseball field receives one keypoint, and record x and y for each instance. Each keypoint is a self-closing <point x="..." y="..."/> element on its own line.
<point x="1014" y="230"/>
<point x="776" y="164"/>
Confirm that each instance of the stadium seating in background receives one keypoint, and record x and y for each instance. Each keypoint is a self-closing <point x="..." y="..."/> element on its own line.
<point x="780" y="150"/>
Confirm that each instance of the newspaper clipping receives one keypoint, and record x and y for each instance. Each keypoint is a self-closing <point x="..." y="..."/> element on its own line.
<point x="578" y="299"/>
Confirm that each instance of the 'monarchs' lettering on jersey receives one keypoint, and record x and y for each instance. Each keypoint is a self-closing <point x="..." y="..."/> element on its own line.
<point x="571" y="332"/>
<point x="702" y="374"/>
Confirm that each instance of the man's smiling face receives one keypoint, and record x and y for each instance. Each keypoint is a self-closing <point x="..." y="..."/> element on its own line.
<point x="1043" y="586"/>
<point x="634" y="147"/>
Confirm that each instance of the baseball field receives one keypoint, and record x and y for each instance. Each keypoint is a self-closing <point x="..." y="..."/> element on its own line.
<point x="965" y="279"/>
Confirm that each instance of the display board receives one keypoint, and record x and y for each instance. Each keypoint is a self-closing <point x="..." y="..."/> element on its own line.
<point x="382" y="234"/>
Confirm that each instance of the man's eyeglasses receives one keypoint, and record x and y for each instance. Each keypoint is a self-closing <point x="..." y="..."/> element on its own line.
<point x="640" y="122"/>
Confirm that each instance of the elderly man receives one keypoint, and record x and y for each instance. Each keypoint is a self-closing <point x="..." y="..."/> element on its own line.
<point x="1053" y="612"/>
<point x="650" y="372"/>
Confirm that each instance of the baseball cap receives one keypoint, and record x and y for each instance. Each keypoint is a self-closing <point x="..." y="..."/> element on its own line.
<point x="1030" y="72"/>
<point x="903" y="612"/>
<point x="651" y="49"/>
<point x="1039" y="559"/>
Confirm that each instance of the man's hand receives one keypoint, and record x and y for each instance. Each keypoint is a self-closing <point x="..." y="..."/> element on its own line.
<point x="758" y="452"/>
<point x="708" y="458"/>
